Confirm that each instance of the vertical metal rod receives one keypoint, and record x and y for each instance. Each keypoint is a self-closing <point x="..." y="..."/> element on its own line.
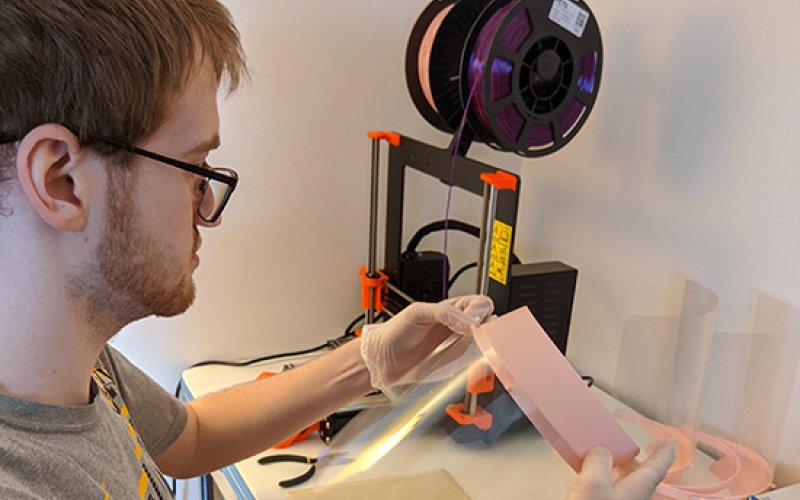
<point x="470" y="404"/>
<point x="484" y="255"/>
<point x="487" y="225"/>
<point x="482" y="238"/>
<point x="373" y="227"/>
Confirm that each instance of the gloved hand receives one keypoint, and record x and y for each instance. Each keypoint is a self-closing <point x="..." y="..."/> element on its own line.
<point x="597" y="480"/>
<point x="392" y="349"/>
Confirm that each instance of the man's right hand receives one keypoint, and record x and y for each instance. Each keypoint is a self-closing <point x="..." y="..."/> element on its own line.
<point x="596" y="480"/>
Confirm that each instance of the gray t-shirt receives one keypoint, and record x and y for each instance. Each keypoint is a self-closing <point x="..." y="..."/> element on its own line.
<point x="90" y="451"/>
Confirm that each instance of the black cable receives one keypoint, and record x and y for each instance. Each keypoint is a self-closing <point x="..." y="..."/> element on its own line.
<point x="348" y="332"/>
<point x="252" y="361"/>
<point x="459" y="273"/>
<point x="329" y="344"/>
<point x="260" y="359"/>
<point x="440" y="225"/>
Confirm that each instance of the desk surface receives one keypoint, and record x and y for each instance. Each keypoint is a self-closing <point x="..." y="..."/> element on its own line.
<point x="518" y="465"/>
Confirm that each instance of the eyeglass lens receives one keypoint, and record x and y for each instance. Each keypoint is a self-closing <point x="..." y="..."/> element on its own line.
<point x="213" y="197"/>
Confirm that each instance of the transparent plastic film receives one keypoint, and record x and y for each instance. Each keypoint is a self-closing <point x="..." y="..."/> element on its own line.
<point x="723" y="397"/>
<point x="662" y="359"/>
<point x="748" y="389"/>
<point x="464" y="429"/>
<point x="413" y="448"/>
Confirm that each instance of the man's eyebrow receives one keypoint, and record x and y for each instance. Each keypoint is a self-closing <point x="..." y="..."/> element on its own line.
<point x="205" y="146"/>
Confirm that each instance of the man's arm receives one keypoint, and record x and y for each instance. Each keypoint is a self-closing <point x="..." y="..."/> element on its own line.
<point x="235" y="423"/>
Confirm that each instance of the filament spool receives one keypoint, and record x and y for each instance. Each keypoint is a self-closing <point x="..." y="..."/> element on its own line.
<point x="534" y="67"/>
<point x="419" y="62"/>
<point x="447" y="53"/>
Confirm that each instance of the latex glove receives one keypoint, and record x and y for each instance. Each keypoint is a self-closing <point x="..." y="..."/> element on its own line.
<point x="637" y="481"/>
<point x="392" y="349"/>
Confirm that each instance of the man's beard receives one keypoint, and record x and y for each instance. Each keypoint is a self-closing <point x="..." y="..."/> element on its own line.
<point x="133" y="275"/>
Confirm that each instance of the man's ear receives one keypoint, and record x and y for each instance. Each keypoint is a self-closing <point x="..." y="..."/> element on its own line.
<point x="49" y="161"/>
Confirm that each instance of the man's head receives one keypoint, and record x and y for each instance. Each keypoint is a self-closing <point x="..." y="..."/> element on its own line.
<point x="144" y="73"/>
<point x="107" y="67"/>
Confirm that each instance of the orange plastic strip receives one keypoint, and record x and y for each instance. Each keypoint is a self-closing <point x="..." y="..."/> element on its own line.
<point x="501" y="180"/>
<point x="300" y="436"/>
<point x="392" y="138"/>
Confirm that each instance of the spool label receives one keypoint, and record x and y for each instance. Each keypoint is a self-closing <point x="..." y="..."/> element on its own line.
<point x="569" y="16"/>
<point x="501" y="251"/>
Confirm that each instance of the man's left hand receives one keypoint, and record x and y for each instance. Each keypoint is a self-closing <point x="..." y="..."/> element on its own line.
<point x="392" y="349"/>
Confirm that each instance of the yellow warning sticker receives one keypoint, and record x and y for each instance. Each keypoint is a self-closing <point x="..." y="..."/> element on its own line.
<point x="501" y="251"/>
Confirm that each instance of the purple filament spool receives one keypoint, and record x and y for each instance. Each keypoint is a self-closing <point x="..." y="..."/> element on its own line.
<point x="586" y="83"/>
<point x="540" y="136"/>
<point x="588" y="74"/>
<point x="570" y="117"/>
<point x="530" y="79"/>
<point x="510" y="120"/>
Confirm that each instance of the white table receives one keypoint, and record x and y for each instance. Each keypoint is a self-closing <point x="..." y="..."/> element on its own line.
<point x="520" y="464"/>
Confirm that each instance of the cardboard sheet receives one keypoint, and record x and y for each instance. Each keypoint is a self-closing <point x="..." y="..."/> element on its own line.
<point x="434" y="485"/>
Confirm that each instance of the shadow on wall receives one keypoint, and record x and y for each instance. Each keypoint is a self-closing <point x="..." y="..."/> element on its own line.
<point x="668" y="98"/>
<point x="699" y="96"/>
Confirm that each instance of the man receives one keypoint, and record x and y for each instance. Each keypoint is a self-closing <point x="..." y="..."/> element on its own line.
<point x="107" y="113"/>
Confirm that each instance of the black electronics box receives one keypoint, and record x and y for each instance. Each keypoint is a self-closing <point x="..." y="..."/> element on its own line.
<point x="421" y="275"/>
<point x="548" y="289"/>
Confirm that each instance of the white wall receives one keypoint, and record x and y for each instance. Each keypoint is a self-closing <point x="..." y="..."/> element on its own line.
<point x="687" y="168"/>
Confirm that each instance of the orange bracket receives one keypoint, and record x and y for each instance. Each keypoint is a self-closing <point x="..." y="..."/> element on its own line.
<point x="375" y="287"/>
<point x="482" y="418"/>
<point x="480" y="379"/>
<point x="503" y="181"/>
<point x="390" y="137"/>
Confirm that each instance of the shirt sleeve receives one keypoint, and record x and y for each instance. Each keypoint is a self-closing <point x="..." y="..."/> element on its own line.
<point x="158" y="416"/>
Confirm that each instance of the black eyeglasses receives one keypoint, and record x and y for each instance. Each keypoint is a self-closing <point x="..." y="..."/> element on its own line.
<point x="214" y="190"/>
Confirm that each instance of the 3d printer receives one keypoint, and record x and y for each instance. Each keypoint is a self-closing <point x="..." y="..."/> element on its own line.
<point x="520" y="76"/>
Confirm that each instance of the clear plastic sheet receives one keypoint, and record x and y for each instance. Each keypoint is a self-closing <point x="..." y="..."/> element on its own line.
<point x="420" y="435"/>
<point x="415" y="439"/>
<point x="756" y="370"/>
<point x="662" y="360"/>
<point x="722" y="396"/>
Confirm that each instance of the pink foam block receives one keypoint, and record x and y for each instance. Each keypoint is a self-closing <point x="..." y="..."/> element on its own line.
<point x="549" y="391"/>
